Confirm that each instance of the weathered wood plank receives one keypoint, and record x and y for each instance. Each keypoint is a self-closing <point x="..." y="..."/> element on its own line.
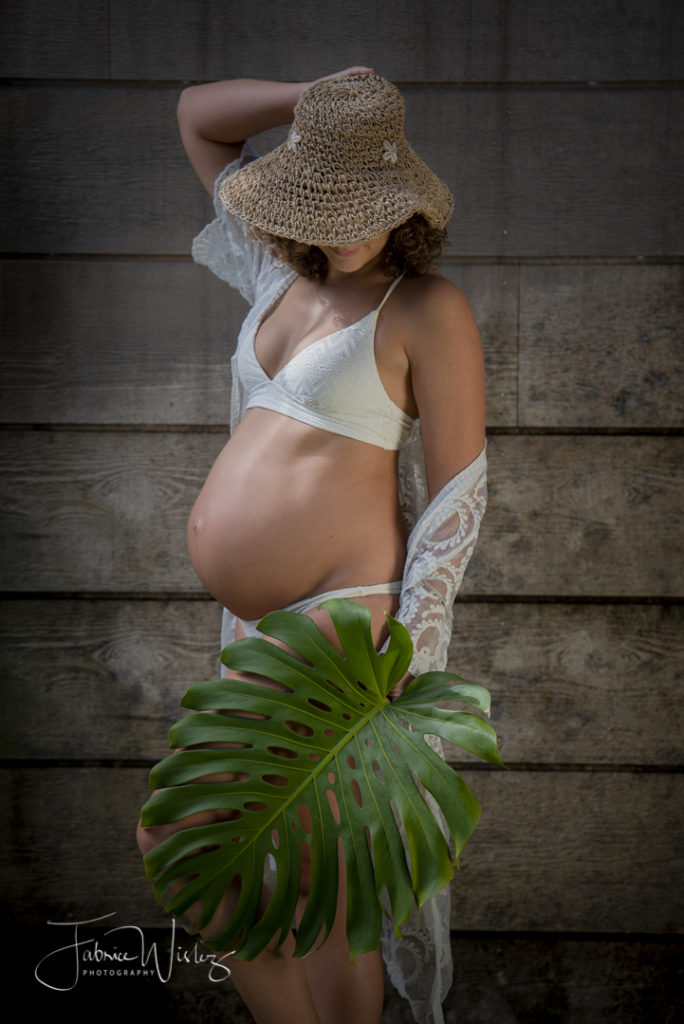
<point x="113" y="509"/>
<point x="116" y="342"/>
<point x="592" y="684"/>
<point x="597" y="684"/>
<point x="503" y="979"/>
<point x="148" y="342"/>
<point x="102" y="156"/>
<point x="429" y="41"/>
<point x="581" y="516"/>
<point x="556" y="851"/>
<point x="46" y="40"/>
<point x="580" y="852"/>
<point x="601" y="346"/>
<point x="568" y="515"/>
<point x="534" y="172"/>
<point x="511" y="980"/>
<point x="101" y="678"/>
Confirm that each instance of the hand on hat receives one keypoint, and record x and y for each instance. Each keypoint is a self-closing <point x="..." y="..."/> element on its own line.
<point x="356" y="70"/>
<point x="347" y="73"/>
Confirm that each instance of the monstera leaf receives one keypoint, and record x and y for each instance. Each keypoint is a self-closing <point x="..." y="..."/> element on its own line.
<point x="326" y="756"/>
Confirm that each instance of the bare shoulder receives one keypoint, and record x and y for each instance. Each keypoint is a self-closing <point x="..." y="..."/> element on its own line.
<point x="442" y="345"/>
<point x="434" y="313"/>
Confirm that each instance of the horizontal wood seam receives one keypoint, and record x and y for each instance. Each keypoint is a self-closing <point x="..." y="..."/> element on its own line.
<point x="458" y="259"/>
<point x="198" y="595"/>
<point x="27" y="933"/>
<point x="566" y="936"/>
<point x="488" y="85"/>
<point x="222" y="428"/>
<point x="459" y="766"/>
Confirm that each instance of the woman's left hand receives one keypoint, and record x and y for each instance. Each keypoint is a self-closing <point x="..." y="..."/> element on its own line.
<point x="397" y="690"/>
<point x="356" y="70"/>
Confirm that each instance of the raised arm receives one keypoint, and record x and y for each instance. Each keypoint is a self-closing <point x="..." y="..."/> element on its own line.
<point x="215" y="119"/>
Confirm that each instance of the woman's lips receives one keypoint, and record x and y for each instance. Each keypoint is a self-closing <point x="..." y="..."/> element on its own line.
<point x="346" y="252"/>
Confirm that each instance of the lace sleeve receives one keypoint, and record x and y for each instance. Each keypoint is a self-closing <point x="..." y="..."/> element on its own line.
<point x="226" y="247"/>
<point x="439" y="549"/>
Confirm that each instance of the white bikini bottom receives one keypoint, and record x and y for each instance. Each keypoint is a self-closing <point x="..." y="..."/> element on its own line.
<point x="309" y="603"/>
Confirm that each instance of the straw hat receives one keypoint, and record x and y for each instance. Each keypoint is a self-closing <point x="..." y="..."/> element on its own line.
<point x="345" y="172"/>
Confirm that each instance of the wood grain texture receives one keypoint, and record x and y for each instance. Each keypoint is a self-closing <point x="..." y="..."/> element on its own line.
<point x="576" y="684"/>
<point x="573" y="684"/>
<point x="567" y="515"/>
<point x="511" y="980"/>
<point x="116" y="342"/>
<point x="103" y="511"/>
<point x="430" y="41"/>
<point x="601" y="346"/>
<point x="583" y="851"/>
<point x="580" y="516"/>
<point x="198" y="39"/>
<point x="113" y="167"/>
<point x="535" y="172"/>
<point x="46" y="40"/>
<point x="101" y="679"/>
<point x="149" y="341"/>
<point x="130" y="342"/>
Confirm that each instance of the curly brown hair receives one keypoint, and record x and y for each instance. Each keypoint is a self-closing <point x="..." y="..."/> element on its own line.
<point x="410" y="249"/>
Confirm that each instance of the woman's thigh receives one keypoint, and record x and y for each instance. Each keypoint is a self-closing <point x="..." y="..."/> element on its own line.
<point x="148" y="838"/>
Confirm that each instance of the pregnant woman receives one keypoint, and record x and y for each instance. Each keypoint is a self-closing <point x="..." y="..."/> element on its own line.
<point x="351" y="339"/>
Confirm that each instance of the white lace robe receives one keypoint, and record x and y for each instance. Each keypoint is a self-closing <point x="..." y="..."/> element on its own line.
<point x="442" y="539"/>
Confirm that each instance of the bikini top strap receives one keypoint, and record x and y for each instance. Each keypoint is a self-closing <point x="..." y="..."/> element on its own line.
<point x="389" y="292"/>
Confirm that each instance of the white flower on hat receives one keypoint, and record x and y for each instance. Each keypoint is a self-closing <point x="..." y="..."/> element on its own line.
<point x="293" y="139"/>
<point x="390" y="152"/>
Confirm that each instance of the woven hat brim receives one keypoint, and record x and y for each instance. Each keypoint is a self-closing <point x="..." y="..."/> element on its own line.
<point x="286" y="196"/>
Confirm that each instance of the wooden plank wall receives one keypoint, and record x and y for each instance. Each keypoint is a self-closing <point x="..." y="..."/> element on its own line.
<point x="559" y="129"/>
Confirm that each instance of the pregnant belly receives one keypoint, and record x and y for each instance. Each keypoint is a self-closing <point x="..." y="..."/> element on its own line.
<point x="288" y="511"/>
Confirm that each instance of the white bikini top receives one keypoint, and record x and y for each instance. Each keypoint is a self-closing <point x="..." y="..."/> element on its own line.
<point x="332" y="384"/>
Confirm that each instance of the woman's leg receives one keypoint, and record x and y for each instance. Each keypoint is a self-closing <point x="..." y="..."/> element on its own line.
<point x="275" y="987"/>
<point x="321" y="988"/>
<point x="342" y="992"/>
<point x="346" y="993"/>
